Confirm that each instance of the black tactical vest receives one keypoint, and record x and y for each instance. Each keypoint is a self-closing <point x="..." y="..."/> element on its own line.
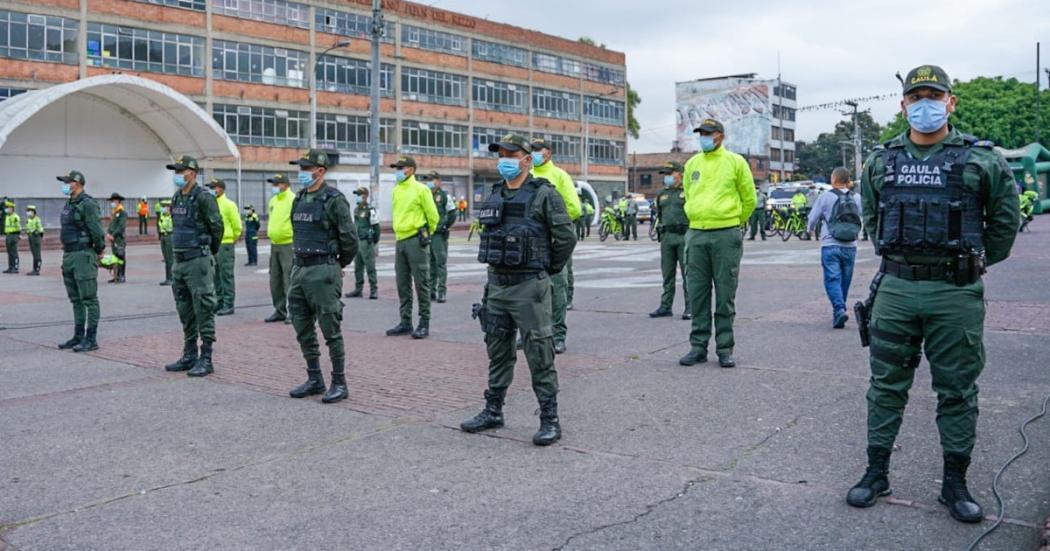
<point x="74" y="229"/>
<point x="187" y="232"/>
<point x="511" y="239"/>
<point x="924" y="208"/>
<point x="312" y="234"/>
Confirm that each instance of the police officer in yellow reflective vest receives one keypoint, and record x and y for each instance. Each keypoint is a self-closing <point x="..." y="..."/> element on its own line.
<point x="164" y="228"/>
<point x="35" y="232"/>
<point x="226" y="260"/>
<point x="12" y="235"/>
<point x="83" y="241"/>
<point x="415" y="219"/>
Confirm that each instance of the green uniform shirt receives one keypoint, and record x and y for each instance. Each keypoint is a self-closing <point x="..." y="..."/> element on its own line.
<point x="563" y="183"/>
<point x="719" y="190"/>
<point x="34" y="226"/>
<point x="670" y="207"/>
<point x="231" y="219"/>
<point x="337" y="215"/>
<point x="548" y="208"/>
<point x="413" y="207"/>
<point x="118" y="223"/>
<point x="446" y="211"/>
<point x="165" y="224"/>
<point x="992" y="179"/>
<point x="279" y="225"/>
<point x="367" y="221"/>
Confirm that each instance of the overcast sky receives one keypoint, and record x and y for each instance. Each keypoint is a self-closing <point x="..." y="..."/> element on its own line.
<point x="831" y="49"/>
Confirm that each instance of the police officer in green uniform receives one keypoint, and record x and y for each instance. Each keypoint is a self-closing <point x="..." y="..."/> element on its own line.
<point x="324" y="241"/>
<point x="164" y="228"/>
<point x="367" y="221"/>
<point x="527" y="236"/>
<point x="35" y="233"/>
<point x="196" y="237"/>
<point x="83" y="241"/>
<point x="671" y="228"/>
<point x="115" y="234"/>
<point x="942" y="206"/>
<point x="251" y="235"/>
<point x="439" y="243"/>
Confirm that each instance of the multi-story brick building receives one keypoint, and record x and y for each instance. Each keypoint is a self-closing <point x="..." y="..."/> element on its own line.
<point x="450" y="84"/>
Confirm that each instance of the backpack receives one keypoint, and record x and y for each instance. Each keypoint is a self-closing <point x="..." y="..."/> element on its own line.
<point x="844" y="223"/>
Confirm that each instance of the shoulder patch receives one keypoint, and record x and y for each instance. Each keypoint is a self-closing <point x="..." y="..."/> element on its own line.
<point x="984" y="143"/>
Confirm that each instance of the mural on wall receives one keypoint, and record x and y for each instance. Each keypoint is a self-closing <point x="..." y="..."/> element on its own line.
<point x="742" y="106"/>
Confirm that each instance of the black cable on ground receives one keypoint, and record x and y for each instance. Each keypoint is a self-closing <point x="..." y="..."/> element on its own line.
<point x="999" y="473"/>
<point x="129" y="317"/>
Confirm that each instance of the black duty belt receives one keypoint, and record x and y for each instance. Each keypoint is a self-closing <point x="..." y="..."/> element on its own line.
<point x="508" y="279"/>
<point x="312" y="260"/>
<point x="73" y="247"/>
<point x="189" y="254"/>
<point x="674" y="228"/>
<point x="915" y="272"/>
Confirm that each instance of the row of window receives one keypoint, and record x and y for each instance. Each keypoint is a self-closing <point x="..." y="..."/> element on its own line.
<point x="783" y="113"/>
<point x="774" y="155"/>
<point x="786" y="134"/>
<point x="196" y="5"/>
<point x="603" y="110"/>
<point x="280" y="12"/>
<point x="38" y="37"/>
<point x="145" y="50"/>
<point x="786" y="91"/>
<point x="350" y="24"/>
<point x="433" y="86"/>
<point x="6" y="93"/>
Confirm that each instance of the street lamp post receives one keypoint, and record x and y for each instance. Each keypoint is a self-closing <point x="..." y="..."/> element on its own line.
<point x="313" y="92"/>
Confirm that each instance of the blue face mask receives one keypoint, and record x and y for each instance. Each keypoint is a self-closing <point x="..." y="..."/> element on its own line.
<point x="509" y="168"/>
<point x="430" y="185"/>
<point x="305" y="178"/>
<point x="357" y="199"/>
<point x="537" y="158"/>
<point x="67" y="189"/>
<point x="707" y="143"/>
<point x="275" y="190"/>
<point x="213" y="193"/>
<point x="400" y="176"/>
<point x="668" y="180"/>
<point x="179" y="180"/>
<point x="927" y="115"/>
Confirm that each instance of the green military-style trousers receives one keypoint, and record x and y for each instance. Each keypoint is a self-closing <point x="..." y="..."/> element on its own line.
<point x="713" y="263"/>
<point x="365" y="262"/>
<point x="80" y="275"/>
<point x="225" y="284"/>
<point x="194" y="289"/>
<point x="11" y="241"/>
<point x="34" y="249"/>
<point x="280" y="277"/>
<point x="948" y="322"/>
<point x="758" y="223"/>
<point x="314" y="297"/>
<point x="438" y="262"/>
<point x="672" y="259"/>
<point x="560" y="300"/>
<point x="412" y="265"/>
<point x="168" y="253"/>
<point x="524" y="307"/>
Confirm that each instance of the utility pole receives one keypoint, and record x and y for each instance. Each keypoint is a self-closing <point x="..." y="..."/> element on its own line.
<point x="780" y="100"/>
<point x="1038" y="121"/>
<point x="856" y="141"/>
<point x="373" y="135"/>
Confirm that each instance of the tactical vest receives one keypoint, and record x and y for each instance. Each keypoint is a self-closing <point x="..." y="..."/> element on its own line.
<point x="74" y="229"/>
<point x="511" y="238"/>
<point x="312" y="234"/>
<point x="924" y="208"/>
<point x="188" y="232"/>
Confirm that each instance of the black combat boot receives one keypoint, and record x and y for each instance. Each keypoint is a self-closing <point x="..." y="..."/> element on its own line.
<point x="550" y="428"/>
<point x="875" y="483"/>
<point x="337" y="391"/>
<point x="373" y="294"/>
<point x="422" y="330"/>
<point x="314" y="383"/>
<point x="88" y="343"/>
<point x="491" y="417"/>
<point x="661" y="312"/>
<point x="954" y="494"/>
<point x="441" y="296"/>
<point x="203" y="366"/>
<point x="354" y="294"/>
<point x="403" y="328"/>
<point x="189" y="357"/>
<point x="78" y="334"/>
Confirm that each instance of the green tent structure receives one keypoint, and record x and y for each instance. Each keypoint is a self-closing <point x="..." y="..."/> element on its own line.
<point x="1031" y="166"/>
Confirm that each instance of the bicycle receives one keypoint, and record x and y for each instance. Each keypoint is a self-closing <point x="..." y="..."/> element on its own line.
<point x="610" y="225"/>
<point x="475" y="227"/>
<point x="795" y="225"/>
<point x="1027" y="209"/>
<point x="776" y="221"/>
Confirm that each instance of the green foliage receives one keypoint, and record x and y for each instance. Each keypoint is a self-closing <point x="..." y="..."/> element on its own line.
<point x="633" y="99"/>
<point x="590" y="42"/>
<point x="992" y="108"/>
<point x="818" y="158"/>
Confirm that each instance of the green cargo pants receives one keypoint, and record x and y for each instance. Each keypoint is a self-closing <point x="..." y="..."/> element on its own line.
<point x="225" y="286"/>
<point x="314" y="296"/>
<point x="80" y="274"/>
<point x="194" y="290"/>
<point x="34" y="249"/>
<point x="412" y="265"/>
<point x="365" y="262"/>
<point x="525" y="307"/>
<point x="571" y="289"/>
<point x="672" y="259"/>
<point x="168" y="253"/>
<point x="438" y="262"/>
<point x="713" y="261"/>
<point x="280" y="277"/>
<point x="559" y="301"/>
<point x="757" y="223"/>
<point x="11" y="241"/>
<point x="946" y="320"/>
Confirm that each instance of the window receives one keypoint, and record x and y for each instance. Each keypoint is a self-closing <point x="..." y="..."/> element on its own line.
<point x="788" y="113"/>
<point x="605" y="152"/>
<point x="433" y="138"/>
<point x="262" y="125"/>
<point x="6" y="93"/>
<point x="786" y="134"/>
<point x="262" y="64"/>
<point x="38" y="37"/>
<point x="785" y="91"/>
<point x="602" y="110"/>
<point x="554" y="64"/>
<point x="270" y="11"/>
<point x="500" y="96"/>
<point x="352" y="76"/>
<point x="351" y="132"/>
<point x="433" y="86"/>
<point x="484" y="136"/>
<point x="145" y="50"/>
<point x="607" y="75"/>
<point x="564" y="149"/>
<point x="435" y="41"/>
<point x="789" y="156"/>
<point x="499" y="53"/>
<point x="350" y="24"/>
<point x="559" y="105"/>
<point x="197" y="5"/>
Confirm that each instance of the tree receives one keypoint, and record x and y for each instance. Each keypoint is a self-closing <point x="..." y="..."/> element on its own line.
<point x="633" y="99"/>
<point x="992" y="108"/>
<point x="590" y="42"/>
<point x="818" y="158"/>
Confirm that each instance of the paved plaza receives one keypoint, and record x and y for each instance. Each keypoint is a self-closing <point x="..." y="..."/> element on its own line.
<point x="106" y="450"/>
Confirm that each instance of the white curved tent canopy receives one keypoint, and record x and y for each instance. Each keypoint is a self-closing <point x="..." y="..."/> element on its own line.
<point x="119" y="130"/>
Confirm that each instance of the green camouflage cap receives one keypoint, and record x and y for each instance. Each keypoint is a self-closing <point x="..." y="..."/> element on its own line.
<point x="540" y="143"/>
<point x="434" y="175"/>
<point x="116" y="197"/>
<point x="184" y="162"/>
<point x="313" y="157"/>
<point x="216" y="182"/>
<point x="73" y="176"/>
<point x="363" y="190"/>
<point x="710" y="125"/>
<point x="404" y="161"/>
<point x="278" y="179"/>
<point x="511" y="142"/>
<point x="671" y="166"/>
<point x="927" y="76"/>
